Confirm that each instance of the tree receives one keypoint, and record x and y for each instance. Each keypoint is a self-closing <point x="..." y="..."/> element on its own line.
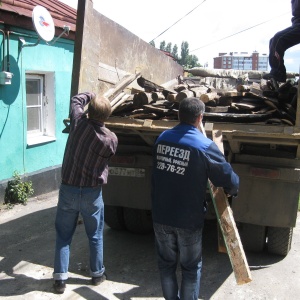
<point x="175" y="52"/>
<point x="193" y="61"/>
<point x="169" y="47"/>
<point x="184" y="53"/>
<point x="152" y="43"/>
<point x="162" y="46"/>
<point x="186" y="60"/>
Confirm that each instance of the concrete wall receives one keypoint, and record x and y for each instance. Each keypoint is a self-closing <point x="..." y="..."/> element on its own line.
<point x="106" y="51"/>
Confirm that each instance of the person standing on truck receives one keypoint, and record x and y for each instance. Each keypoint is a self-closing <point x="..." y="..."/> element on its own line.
<point x="282" y="41"/>
<point x="183" y="161"/>
<point x="89" y="147"/>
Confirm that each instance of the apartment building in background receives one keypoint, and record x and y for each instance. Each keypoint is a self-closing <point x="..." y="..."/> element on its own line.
<point x="242" y="61"/>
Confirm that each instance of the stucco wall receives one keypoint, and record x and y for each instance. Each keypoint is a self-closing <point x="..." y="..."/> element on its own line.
<point x="16" y="154"/>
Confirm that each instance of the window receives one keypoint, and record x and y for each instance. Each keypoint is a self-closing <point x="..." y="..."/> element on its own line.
<point x="40" y="107"/>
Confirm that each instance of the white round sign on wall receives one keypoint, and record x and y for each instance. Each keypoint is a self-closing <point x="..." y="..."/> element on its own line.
<point x="43" y="23"/>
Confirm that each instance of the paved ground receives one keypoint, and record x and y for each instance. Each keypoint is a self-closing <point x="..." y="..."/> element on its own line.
<point x="26" y="257"/>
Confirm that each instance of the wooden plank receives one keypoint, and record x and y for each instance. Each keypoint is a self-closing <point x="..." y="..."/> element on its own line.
<point x="298" y="105"/>
<point x="157" y="109"/>
<point x="121" y="101"/>
<point x="227" y="224"/>
<point x="221" y="243"/>
<point x="118" y="88"/>
<point x="216" y="109"/>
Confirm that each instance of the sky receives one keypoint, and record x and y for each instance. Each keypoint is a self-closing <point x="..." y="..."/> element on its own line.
<point x="209" y="26"/>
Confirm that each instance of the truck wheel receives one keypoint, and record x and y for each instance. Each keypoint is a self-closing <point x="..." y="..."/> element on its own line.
<point x="113" y="217"/>
<point x="138" y="220"/>
<point x="280" y="240"/>
<point x="253" y="237"/>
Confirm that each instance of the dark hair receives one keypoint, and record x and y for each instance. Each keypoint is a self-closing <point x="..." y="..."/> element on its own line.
<point x="190" y="109"/>
<point x="99" y="109"/>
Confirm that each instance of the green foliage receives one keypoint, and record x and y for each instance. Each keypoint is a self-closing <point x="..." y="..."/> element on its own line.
<point x="17" y="191"/>
<point x="162" y="45"/>
<point x="152" y="43"/>
<point x="187" y="60"/>
<point x="192" y="62"/>
<point x="169" y="47"/>
<point x="184" y="53"/>
<point x="175" y="52"/>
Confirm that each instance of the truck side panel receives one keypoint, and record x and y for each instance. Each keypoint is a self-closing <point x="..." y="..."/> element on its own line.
<point x="267" y="196"/>
<point x="105" y="52"/>
<point x="129" y="184"/>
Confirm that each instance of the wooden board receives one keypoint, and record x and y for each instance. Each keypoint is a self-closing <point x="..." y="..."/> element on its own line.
<point x="216" y="109"/>
<point x="117" y="89"/>
<point x="227" y="224"/>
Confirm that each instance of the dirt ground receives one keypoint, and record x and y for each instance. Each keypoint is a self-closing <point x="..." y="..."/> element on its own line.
<point x="26" y="257"/>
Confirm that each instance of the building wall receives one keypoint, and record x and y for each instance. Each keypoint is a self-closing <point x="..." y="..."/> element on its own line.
<point x="16" y="153"/>
<point x="218" y="63"/>
<point x="241" y="61"/>
<point x="255" y="59"/>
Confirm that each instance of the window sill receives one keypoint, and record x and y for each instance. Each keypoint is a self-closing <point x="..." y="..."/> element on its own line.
<point x="39" y="140"/>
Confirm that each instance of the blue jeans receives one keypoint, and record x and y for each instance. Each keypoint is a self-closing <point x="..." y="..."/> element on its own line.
<point x="173" y="243"/>
<point x="89" y="203"/>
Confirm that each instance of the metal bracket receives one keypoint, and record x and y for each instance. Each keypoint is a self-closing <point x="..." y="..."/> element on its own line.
<point x="23" y="43"/>
<point x="66" y="30"/>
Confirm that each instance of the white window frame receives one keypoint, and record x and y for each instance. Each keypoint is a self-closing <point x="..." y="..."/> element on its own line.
<point x="47" y="116"/>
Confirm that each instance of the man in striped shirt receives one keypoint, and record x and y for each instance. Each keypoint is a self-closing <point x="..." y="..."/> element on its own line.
<point x="89" y="147"/>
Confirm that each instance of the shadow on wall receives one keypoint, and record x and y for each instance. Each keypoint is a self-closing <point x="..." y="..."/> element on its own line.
<point x="9" y="92"/>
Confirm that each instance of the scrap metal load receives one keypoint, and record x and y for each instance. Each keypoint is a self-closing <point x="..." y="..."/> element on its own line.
<point x="229" y="97"/>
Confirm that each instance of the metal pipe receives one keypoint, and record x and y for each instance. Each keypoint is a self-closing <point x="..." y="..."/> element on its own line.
<point x="3" y="55"/>
<point x="34" y="36"/>
<point x="7" y="57"/>
<point x="23" y="34"/>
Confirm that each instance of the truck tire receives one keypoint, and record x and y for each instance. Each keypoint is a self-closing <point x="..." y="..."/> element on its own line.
<point x="280" y="240"/>
<point x="113" y="217"/>
<point x="253" y="237"/>
<point x="138" y="220"/>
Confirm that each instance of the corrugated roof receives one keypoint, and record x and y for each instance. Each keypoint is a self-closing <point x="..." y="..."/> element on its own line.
<point x="19" y="13"/>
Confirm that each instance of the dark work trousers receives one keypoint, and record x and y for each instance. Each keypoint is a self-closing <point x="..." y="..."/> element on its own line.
<point x="282" y="41"/>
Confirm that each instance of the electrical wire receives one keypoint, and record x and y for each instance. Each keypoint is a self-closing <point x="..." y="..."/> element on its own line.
<point x="239" y="32"/>
<point x="177" y="21"/>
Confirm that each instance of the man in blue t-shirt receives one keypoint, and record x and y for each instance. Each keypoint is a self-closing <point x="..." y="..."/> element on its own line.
<point x="184" y="160"/>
